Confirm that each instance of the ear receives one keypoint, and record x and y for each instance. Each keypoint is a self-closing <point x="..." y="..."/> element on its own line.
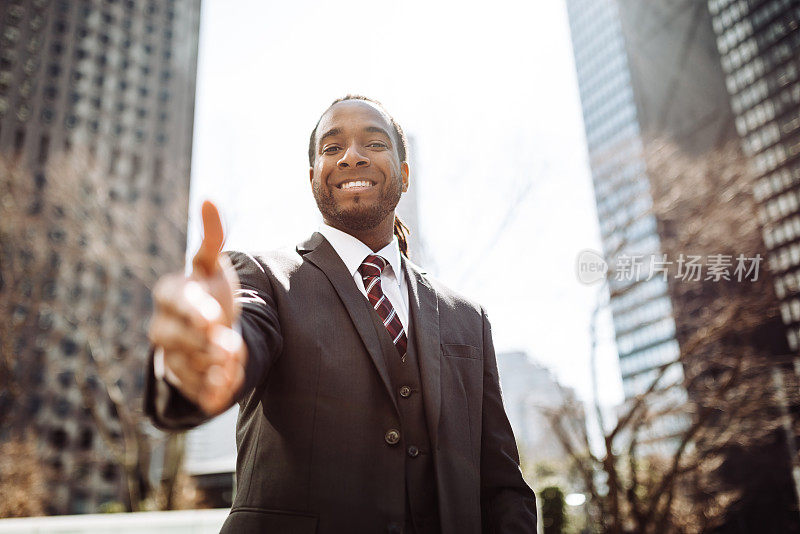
<point x="311" y="175"/>
<point x="405" y="172"/>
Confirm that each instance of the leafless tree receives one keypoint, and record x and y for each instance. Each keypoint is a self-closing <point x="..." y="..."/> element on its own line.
<point x="730" y="343"/>
<point x="23" y="264"/>
<point x="23" y="490"/>
<point x="80" y="253"/>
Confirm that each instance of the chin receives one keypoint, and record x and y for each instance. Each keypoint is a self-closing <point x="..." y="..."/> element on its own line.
<point x="358" y="216"/>
<point x="359" y="219"/>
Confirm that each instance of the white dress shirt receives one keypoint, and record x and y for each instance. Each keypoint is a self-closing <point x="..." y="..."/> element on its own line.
<point x="353" y="252"/>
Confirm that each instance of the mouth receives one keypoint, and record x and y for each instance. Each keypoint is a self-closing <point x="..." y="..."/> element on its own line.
<point x="356" y="185"/>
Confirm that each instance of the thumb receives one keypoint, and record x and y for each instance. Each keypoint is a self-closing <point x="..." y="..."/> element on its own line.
<point x="205" y="261"/>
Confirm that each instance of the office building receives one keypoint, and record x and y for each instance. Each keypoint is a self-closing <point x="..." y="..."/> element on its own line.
<point x="113" y="80"/>
<point x="644" y="74"/>
<point x="650" y="76"/>
<point x="759" y="46"/>
<point x="682" y="75"/>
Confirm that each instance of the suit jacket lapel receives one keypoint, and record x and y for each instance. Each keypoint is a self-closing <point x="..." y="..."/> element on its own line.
<point x="424" y="310"/>
<point x="318" y="251"/>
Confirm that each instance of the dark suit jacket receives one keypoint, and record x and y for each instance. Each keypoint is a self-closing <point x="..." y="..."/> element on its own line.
<point x="318" y="401"/>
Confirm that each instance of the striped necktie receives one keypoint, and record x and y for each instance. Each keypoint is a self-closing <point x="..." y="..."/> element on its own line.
<point x="370" y="270"/>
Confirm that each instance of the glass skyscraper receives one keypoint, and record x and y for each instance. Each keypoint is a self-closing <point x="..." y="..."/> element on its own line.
<point x="114" y="80"/>
<point x="759" y="45"/>
<point x="641" y="308"/>
<point x="716" y="83"/>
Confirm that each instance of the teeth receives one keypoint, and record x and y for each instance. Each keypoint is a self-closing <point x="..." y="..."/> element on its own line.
<point x="358" y="183"/>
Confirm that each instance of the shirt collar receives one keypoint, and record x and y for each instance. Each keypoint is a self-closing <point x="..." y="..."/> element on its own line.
<point x="352" y="251"/>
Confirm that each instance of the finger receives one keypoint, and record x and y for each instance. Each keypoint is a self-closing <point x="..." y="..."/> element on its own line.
<point x="174" y="295"/>
<point x="173" y="333"/>
<point x="205" y="261"/>
<point x="224" y="378"/>
<point x="198" y="361"/>
<point x="199" y="301"/>
<point x="226" y="340"/>
<point x="225" y="347"/>
<point x="190" y="381"/>
<point x="188" y="301"/>
<point x="214" y="397"/>
<point x="213" y="402"/>
<point x="217" y="395"/>
<point x="192" y="345"/>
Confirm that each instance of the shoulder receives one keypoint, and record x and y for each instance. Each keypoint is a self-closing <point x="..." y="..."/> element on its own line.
<point x="448" y="298"/>
<point x="283" y="261"/>
<point x="274" y="264"/>
<point x="284" y="258"/>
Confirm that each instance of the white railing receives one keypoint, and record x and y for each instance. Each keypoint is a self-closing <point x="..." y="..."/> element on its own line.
<point x="178" y="522"/>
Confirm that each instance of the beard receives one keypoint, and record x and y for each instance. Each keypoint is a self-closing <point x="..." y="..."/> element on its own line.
<point x="359" y="217"/>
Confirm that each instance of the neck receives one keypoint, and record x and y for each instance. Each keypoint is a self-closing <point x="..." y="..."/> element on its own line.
<point x="375" y="238"/>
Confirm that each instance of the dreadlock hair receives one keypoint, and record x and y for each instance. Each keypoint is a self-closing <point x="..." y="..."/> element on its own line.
<point x="401" y="231"/>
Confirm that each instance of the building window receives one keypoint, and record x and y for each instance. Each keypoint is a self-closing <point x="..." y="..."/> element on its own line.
<point x="58" y="438"/>
<point x="23" y="112"/>
<point x="62" y="407"/>
<point x="69" y="347"/>
<point x="86" y="439"/>
<point x="39" y="179"/>
<point x="44" y="145"/>
<point x="158" y="170"/>
<point x="109" y="472"/>
<point x="19" y="140"/>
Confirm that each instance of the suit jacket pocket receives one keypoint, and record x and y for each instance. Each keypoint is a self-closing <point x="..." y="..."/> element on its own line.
<point x="461" y="351"/>
<point x="257" y="521"/>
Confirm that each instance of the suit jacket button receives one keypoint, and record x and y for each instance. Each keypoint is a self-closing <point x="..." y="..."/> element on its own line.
<point x="405" y="391"/>
<point x="413" y="451"/>
<point x="392" y="436"/>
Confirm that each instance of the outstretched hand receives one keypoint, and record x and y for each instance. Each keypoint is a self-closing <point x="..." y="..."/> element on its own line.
<point x="204" y="357"/>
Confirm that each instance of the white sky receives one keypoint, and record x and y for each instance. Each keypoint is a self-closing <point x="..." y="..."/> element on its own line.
<point x="487" y="90"/>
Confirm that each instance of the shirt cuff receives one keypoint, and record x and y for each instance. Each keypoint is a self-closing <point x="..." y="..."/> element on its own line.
<point x="161" y="371"/>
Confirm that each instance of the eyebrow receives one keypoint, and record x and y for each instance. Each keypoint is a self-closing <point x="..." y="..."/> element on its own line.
<point x="377" y="129"/>
<point x="329" y="133"/>
<point x="369" y="129"/>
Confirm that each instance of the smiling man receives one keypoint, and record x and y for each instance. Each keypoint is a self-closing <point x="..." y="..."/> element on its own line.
<point x="368" y="392"/>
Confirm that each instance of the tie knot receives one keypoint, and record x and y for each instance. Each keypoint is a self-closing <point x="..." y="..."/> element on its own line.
<point x="372" y="266"/>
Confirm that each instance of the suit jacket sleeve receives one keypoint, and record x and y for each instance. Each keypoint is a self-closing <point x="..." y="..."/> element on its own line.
<point x="260" y="329"/>
<point x="508" y="505"/>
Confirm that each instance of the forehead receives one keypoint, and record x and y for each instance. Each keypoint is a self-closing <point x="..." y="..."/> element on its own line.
<point x="353" y="115"/>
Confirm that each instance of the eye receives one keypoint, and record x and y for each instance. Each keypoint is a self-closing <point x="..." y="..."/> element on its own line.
<point x="377" y="144"/>
<point x="330" y="150"/>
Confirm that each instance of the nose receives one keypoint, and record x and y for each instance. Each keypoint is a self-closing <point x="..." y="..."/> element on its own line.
<point x="352" y="157"/>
